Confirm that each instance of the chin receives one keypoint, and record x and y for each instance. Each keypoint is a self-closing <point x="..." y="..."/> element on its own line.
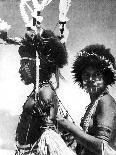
<point x="92" y="90"/>
<point x="26" y="82"/>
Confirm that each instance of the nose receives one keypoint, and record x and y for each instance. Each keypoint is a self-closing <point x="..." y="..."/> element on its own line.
<point x="20" y="69"/>
<point x="91" y="78"/>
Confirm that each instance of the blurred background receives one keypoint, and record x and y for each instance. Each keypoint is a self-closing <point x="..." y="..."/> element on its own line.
<point x="91" y="21"/>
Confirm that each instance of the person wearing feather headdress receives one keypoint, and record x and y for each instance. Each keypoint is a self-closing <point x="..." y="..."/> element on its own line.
<point x="94" y="70"/>
<point x="37" y="130"/>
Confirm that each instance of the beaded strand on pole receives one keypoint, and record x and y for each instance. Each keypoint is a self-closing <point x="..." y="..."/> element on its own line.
<point x="63" y="10"/>
<point x="35" y="25"/>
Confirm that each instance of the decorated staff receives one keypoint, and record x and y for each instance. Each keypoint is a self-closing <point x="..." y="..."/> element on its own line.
<point x="34" y="27"/>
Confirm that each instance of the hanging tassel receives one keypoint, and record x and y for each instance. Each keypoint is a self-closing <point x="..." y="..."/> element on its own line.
<point x="51" y="143"/>
<point x="64" y="32"/>
<point x="57" y="76"/>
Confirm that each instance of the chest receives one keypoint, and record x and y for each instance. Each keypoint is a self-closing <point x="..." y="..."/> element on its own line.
<point x="105" y="118"/>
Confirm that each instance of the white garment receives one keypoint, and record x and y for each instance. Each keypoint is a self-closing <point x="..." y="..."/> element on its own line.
<point x="107" y="150"/>
<point x="52" y="141"/>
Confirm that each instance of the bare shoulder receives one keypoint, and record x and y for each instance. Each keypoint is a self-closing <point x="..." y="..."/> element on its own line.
<point x="108" y="100"/>
<point x="106" y="110"/>
<point x="46" y="92"/>
<point x="107" y="104"/>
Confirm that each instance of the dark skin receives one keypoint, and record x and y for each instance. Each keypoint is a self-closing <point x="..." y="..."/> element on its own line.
<point x="105" y="113"/>
<point x="46" y="93"/>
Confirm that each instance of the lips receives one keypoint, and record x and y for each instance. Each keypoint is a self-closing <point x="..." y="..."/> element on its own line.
<point x="90" y="85"/>
<point x="22" y="77"/>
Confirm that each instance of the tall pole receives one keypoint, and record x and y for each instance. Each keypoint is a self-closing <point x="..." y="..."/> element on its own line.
<point x="34" y="25"/>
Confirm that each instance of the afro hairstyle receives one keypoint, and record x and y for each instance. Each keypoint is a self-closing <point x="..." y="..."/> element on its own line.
<point x="97" y="56"/>
<point x="52" y="53"/>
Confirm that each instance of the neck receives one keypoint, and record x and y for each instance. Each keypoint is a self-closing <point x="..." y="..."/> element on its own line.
<point x="95" y="96"/>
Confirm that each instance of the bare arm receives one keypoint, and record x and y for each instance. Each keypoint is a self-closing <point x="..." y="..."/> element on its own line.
<point x="94" y="143"/>
<point x="88" y="141"/>
<point x="49" y="97"/>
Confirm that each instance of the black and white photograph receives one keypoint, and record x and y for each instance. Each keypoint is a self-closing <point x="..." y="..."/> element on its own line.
<point x="57" y="77"/>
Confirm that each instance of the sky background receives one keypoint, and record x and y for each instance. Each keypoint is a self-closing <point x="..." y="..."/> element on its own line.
<point x="91" y="21"/>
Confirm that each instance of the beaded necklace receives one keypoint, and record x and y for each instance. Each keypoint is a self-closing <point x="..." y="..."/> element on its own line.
<point x="89" y="113"/>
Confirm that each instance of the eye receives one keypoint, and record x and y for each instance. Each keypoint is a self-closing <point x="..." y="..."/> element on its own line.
<point x="85" y="76"/>
<point x="97" y="74"/>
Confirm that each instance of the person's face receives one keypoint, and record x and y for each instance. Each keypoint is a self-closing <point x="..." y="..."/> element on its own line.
<point x="25" y="72"/>
<point x="92" y="80"/>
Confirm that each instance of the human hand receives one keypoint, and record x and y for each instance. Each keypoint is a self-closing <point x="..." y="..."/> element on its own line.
<point x="65" y="123"/>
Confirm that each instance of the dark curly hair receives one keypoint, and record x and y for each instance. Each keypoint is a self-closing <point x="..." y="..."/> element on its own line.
<point x="51" y="51"/>
<point x="97" y="56"/>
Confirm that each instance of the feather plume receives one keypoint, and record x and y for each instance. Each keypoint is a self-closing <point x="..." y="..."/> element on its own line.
<point x="63" y="9"/>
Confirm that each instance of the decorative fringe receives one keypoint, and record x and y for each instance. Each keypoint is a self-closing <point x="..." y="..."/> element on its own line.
<point x="89" y="113"/>
<point x="51" y="143"/>
<point x="106" y="149"/>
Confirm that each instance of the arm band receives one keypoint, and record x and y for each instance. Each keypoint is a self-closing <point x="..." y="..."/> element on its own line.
<point x="103" y="132"/>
